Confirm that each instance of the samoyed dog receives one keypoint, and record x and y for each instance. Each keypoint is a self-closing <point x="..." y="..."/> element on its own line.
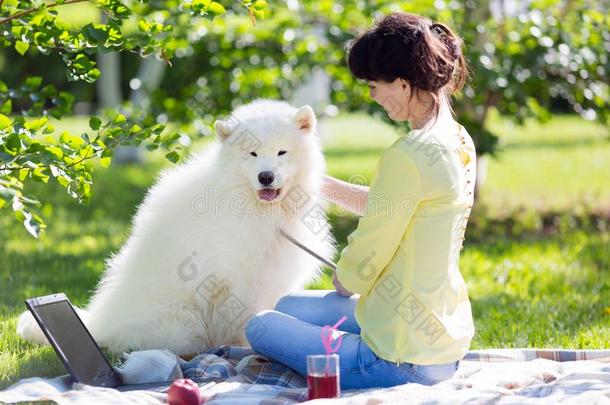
<point x="205" y="253"/>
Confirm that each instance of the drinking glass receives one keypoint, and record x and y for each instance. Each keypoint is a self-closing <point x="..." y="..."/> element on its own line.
<point x="323" y="376"/>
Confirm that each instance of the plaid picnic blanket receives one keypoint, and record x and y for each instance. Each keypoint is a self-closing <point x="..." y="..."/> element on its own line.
<point x="245" y="377"/>
<point x="532" y="354"/>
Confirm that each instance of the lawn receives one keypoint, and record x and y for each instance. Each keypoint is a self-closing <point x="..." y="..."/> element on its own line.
<point x="534" y="289"/>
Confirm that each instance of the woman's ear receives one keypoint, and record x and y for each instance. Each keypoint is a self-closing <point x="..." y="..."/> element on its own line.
<point x="403" y="84"/>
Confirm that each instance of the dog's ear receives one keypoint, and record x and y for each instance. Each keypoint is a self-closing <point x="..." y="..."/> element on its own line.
<point x="223" y="130"/>
<point x="305" y="119"/>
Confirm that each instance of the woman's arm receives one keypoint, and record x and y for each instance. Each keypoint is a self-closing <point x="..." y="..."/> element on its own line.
<point x="352" y="197"/>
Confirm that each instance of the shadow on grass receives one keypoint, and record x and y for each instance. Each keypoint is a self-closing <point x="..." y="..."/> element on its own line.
<point x="559" y="144"/>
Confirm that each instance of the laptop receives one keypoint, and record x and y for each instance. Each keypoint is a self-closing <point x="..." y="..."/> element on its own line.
<point x="80" y="353"/>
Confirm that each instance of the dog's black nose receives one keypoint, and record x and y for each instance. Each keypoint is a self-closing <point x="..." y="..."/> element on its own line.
<point x="266" y="178"/>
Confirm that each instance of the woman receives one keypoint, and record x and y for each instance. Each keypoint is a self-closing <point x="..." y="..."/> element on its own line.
<point x="398" y="279"/>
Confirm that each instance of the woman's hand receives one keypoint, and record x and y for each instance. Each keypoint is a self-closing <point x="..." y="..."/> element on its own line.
<point x="339" y="287"/>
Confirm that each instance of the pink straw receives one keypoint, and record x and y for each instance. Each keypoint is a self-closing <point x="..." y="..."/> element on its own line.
<point x="327" y="339"/>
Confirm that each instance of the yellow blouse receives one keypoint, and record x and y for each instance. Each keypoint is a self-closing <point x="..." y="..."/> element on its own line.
<point x="403" y="258"/>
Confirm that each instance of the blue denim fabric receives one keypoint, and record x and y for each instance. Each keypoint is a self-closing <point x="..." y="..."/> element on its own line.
<point x="292" y="330"/>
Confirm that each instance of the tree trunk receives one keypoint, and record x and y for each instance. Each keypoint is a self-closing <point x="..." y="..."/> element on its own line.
<point x="109" y="94"/>
<point x="109" y="82"/>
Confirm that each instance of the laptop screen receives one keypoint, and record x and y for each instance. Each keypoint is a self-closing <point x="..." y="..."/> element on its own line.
<point x="75" y="345"/>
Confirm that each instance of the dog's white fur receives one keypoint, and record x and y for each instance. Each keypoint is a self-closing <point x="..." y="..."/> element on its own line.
<point x="205" y="253"/>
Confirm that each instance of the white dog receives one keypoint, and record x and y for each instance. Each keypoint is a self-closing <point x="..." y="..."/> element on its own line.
<point x="205" y="252"/>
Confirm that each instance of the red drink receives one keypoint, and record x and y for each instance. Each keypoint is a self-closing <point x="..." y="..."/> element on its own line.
<point x="323" y="386"/>
<point x="323" y="376"/>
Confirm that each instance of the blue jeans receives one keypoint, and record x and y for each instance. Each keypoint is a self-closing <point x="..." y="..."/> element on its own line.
<point x="291" y="331"/>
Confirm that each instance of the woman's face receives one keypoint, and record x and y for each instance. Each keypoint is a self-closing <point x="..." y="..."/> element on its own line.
<point x="394" y="97"/>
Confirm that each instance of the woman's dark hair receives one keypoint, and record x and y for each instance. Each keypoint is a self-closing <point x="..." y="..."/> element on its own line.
<point x="427" y="54"/>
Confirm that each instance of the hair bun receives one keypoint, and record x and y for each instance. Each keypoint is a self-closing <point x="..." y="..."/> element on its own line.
<point x="451" y="42"/>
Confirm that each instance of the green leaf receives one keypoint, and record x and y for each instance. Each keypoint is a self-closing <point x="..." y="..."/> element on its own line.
<point x="95" y="123"/>
<point x="93" y="75"/>
<point x="260" y="4"/>
<point x="33" y="82"/>
<point x="22" y="47"/>
<point x="119" y="118"/>
<point x="86" y="152"/>
<point x="105" y="162"/>
<point x="199" y="5"/>
<point x="95" y="34"/>
<point x="172" y="157"/>
<point x="39" y="175"/>
<point x="48" y="91"/>
<point x="5" y="122"/>
<point x="216" y="8"/>
<point x="49" y="129"/>
<point x="13" y="142"/>
<point x="6" y="107"/>
<point x="71" y="140"/>
<point x="18" y="211"/>
<point x="23" y="173"/>
<point x="35" y="147"/>
<point x="107" y="153"/>
<point x="35" y="125"/>
<point x="63" y="180"/>
<point x="143" y="25"/>
<point x="157" y="129"/>
<point x="5" y="158"/>
<point x="82" y="63"/>
<point x="56" y="151"/>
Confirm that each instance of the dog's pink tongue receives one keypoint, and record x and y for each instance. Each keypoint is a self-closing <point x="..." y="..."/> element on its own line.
<point x="267" y="194"/>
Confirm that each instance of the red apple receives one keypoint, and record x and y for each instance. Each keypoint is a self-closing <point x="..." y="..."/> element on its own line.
<point x="184" y="392"/>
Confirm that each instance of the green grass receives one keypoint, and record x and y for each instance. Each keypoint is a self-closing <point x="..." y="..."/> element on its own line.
<point x="526" y="290"/>
<point x="558" y="165"/>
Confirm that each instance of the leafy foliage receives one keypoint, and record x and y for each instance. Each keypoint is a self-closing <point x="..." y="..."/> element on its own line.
<point x="520" y="63"/>
<point x="30" y="148"/>
<point x="544" y="53"/>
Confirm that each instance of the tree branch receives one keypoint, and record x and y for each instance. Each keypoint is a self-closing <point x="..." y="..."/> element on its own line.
<point x="34" y="9"/>
<point x="114" y="145"/>
<point x="46" y="167"/>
